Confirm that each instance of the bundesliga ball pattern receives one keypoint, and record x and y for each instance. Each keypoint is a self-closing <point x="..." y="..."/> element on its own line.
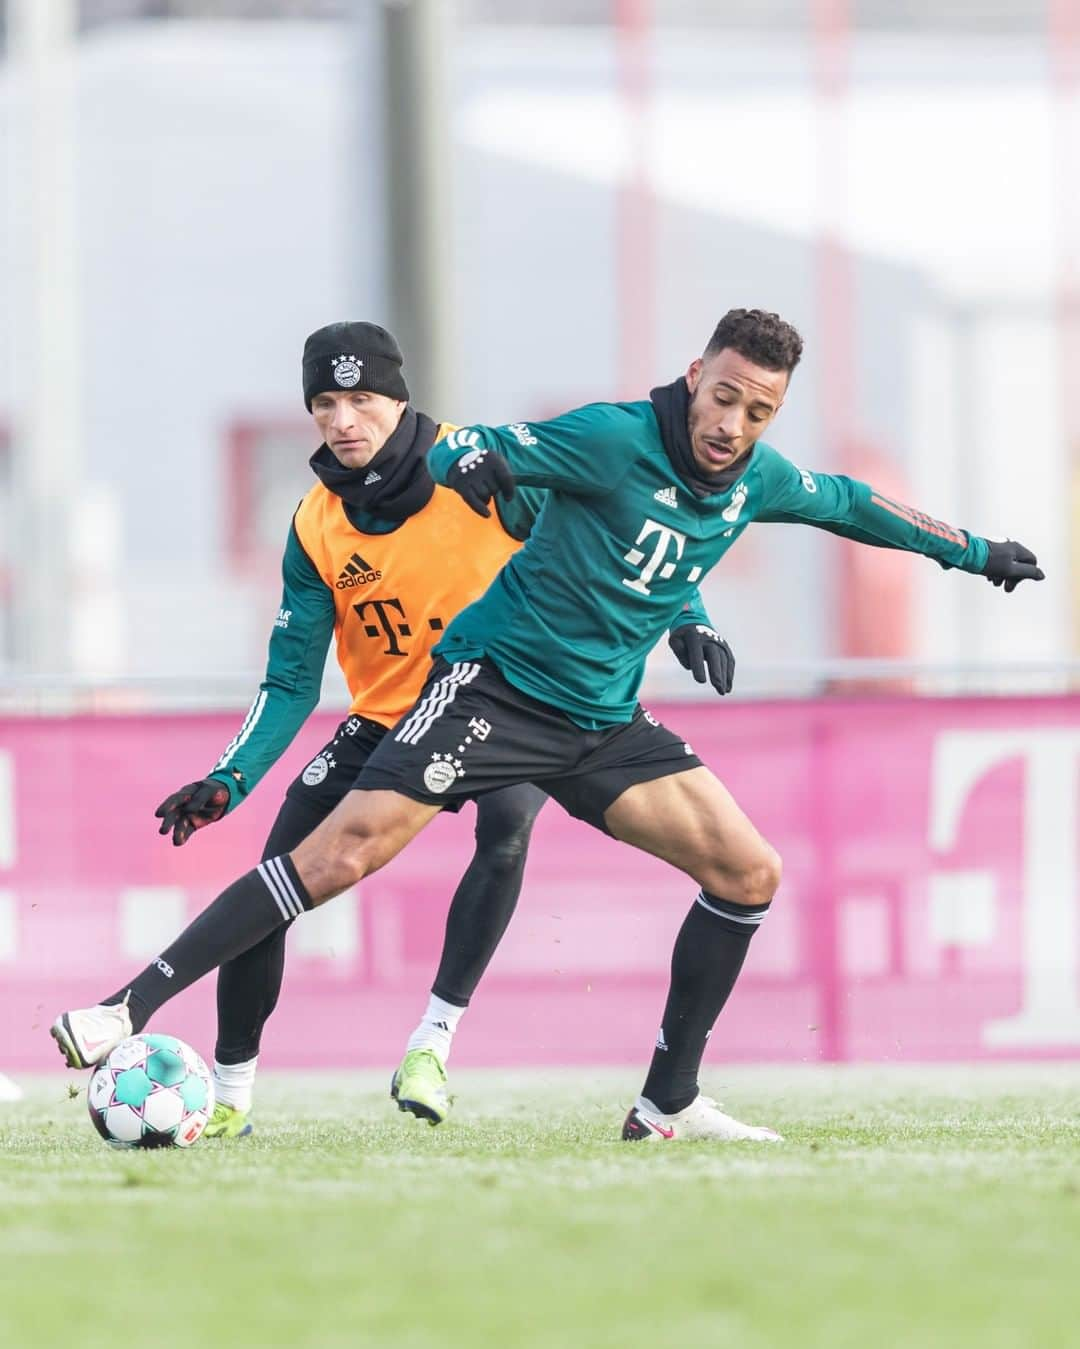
<point x="153" y="1091"/>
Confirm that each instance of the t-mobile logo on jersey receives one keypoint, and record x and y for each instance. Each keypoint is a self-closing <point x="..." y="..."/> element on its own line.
<point x="656" y="565"/>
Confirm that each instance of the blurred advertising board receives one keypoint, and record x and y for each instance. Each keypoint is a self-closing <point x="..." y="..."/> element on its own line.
<point x="930" y="907"/>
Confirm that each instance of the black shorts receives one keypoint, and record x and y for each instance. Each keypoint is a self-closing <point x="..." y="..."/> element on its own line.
<point x="332" y="772"/>
<point x="330" y="776"/>
<point x="470" y="732"/>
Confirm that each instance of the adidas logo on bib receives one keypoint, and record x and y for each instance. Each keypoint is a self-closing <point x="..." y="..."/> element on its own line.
<point x="357" y="572"/>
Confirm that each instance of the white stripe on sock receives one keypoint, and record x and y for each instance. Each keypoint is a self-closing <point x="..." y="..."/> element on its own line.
<point x="271" y="884"/>
<point x="750" y="919"/>
<point x="278" y="866"/>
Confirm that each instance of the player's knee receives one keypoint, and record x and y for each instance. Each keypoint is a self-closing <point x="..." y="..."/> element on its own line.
<point x="344" y="856"/>
<point x="505" y="853"/>
<point x="762" y="879"/>
<point x="503" y="831"/>
<point x="754" y="883"/>
<point x="355" y="855"/>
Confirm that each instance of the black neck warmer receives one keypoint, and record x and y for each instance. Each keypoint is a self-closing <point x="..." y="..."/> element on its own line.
<point x="671" y="404"/>
<point x="393" y="485"/>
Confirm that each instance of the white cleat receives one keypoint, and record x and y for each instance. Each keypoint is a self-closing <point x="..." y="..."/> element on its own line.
<point x="90" y="1034"/>
<point x="702" y="1118"/>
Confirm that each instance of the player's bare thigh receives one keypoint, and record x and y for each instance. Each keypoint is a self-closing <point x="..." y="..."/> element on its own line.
<point x="692" y="821"/>
<point x="361" y="834"/>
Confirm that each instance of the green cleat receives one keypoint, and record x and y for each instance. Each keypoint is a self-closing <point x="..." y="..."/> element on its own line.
<point x="419" y="1085"/>
<point x="228" y="1122"/>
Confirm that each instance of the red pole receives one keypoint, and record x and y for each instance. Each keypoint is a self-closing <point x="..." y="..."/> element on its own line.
<point x="635" y="223"/>
<point x="873" y="589"/>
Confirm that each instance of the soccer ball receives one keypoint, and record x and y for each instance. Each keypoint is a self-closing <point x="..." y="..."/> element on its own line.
<point x="153" y="1091"/>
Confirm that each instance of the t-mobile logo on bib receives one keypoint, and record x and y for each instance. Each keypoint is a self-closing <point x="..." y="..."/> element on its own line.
<point x="657" y="563"/>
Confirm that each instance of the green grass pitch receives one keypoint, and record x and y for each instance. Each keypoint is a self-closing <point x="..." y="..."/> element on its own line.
<point x="909" y="1207"/>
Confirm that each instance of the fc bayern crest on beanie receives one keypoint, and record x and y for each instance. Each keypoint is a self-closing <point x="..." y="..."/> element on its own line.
<point x="353" y="356"/>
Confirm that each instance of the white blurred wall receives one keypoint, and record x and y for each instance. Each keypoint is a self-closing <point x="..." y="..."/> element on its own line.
<point x="227" y="199"/>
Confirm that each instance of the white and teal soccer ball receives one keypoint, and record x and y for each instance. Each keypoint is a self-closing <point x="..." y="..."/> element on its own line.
<point x="153" y="1091"/>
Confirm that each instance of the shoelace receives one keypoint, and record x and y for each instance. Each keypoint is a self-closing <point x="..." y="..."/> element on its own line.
<point x="430" y="1054"/>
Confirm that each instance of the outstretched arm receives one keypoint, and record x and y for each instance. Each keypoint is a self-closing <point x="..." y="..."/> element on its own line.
<point x="855" y="510"/>
<point x="287" y="695"/>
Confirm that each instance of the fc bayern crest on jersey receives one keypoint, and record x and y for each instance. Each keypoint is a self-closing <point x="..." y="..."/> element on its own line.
<point x="346" y="370"/>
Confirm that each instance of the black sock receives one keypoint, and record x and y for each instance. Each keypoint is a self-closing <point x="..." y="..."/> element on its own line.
<point x="708" y="955"/>
<point x="251" y="908"/>
<point x="248" y="985"/>
<point x="487" y="895"/>
<point x="247" y="993"/>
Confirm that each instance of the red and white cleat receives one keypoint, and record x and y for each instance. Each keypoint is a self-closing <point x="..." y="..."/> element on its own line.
<point x="90" y="1034"/>
<point x="702" y="1118"/>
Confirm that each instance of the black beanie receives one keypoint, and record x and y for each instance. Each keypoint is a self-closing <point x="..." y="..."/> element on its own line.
<point x="353" y="356"/>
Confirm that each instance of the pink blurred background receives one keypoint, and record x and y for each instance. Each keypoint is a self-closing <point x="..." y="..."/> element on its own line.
<point x="928" y="908"/>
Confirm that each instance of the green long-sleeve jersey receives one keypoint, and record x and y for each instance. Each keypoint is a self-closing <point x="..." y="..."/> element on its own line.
<point x="289" y="691"/>
<point x="622" y="542"/>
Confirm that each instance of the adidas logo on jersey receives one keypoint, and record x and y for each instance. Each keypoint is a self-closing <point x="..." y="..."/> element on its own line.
<point x="667" y="496"/>
<point x="357" y="572"/>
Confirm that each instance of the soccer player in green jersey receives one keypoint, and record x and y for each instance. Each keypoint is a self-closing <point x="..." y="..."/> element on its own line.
<point x="537" y="682"/>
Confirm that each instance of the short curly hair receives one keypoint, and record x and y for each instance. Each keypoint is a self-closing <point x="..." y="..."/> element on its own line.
<point x="761" y="337"/>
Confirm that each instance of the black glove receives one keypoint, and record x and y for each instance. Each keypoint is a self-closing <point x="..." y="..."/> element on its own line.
<point x="698" y="648"/>
<point x="1009" y="563"/>
<point x="478" y="475"/>
<point x="197" y="804"/>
